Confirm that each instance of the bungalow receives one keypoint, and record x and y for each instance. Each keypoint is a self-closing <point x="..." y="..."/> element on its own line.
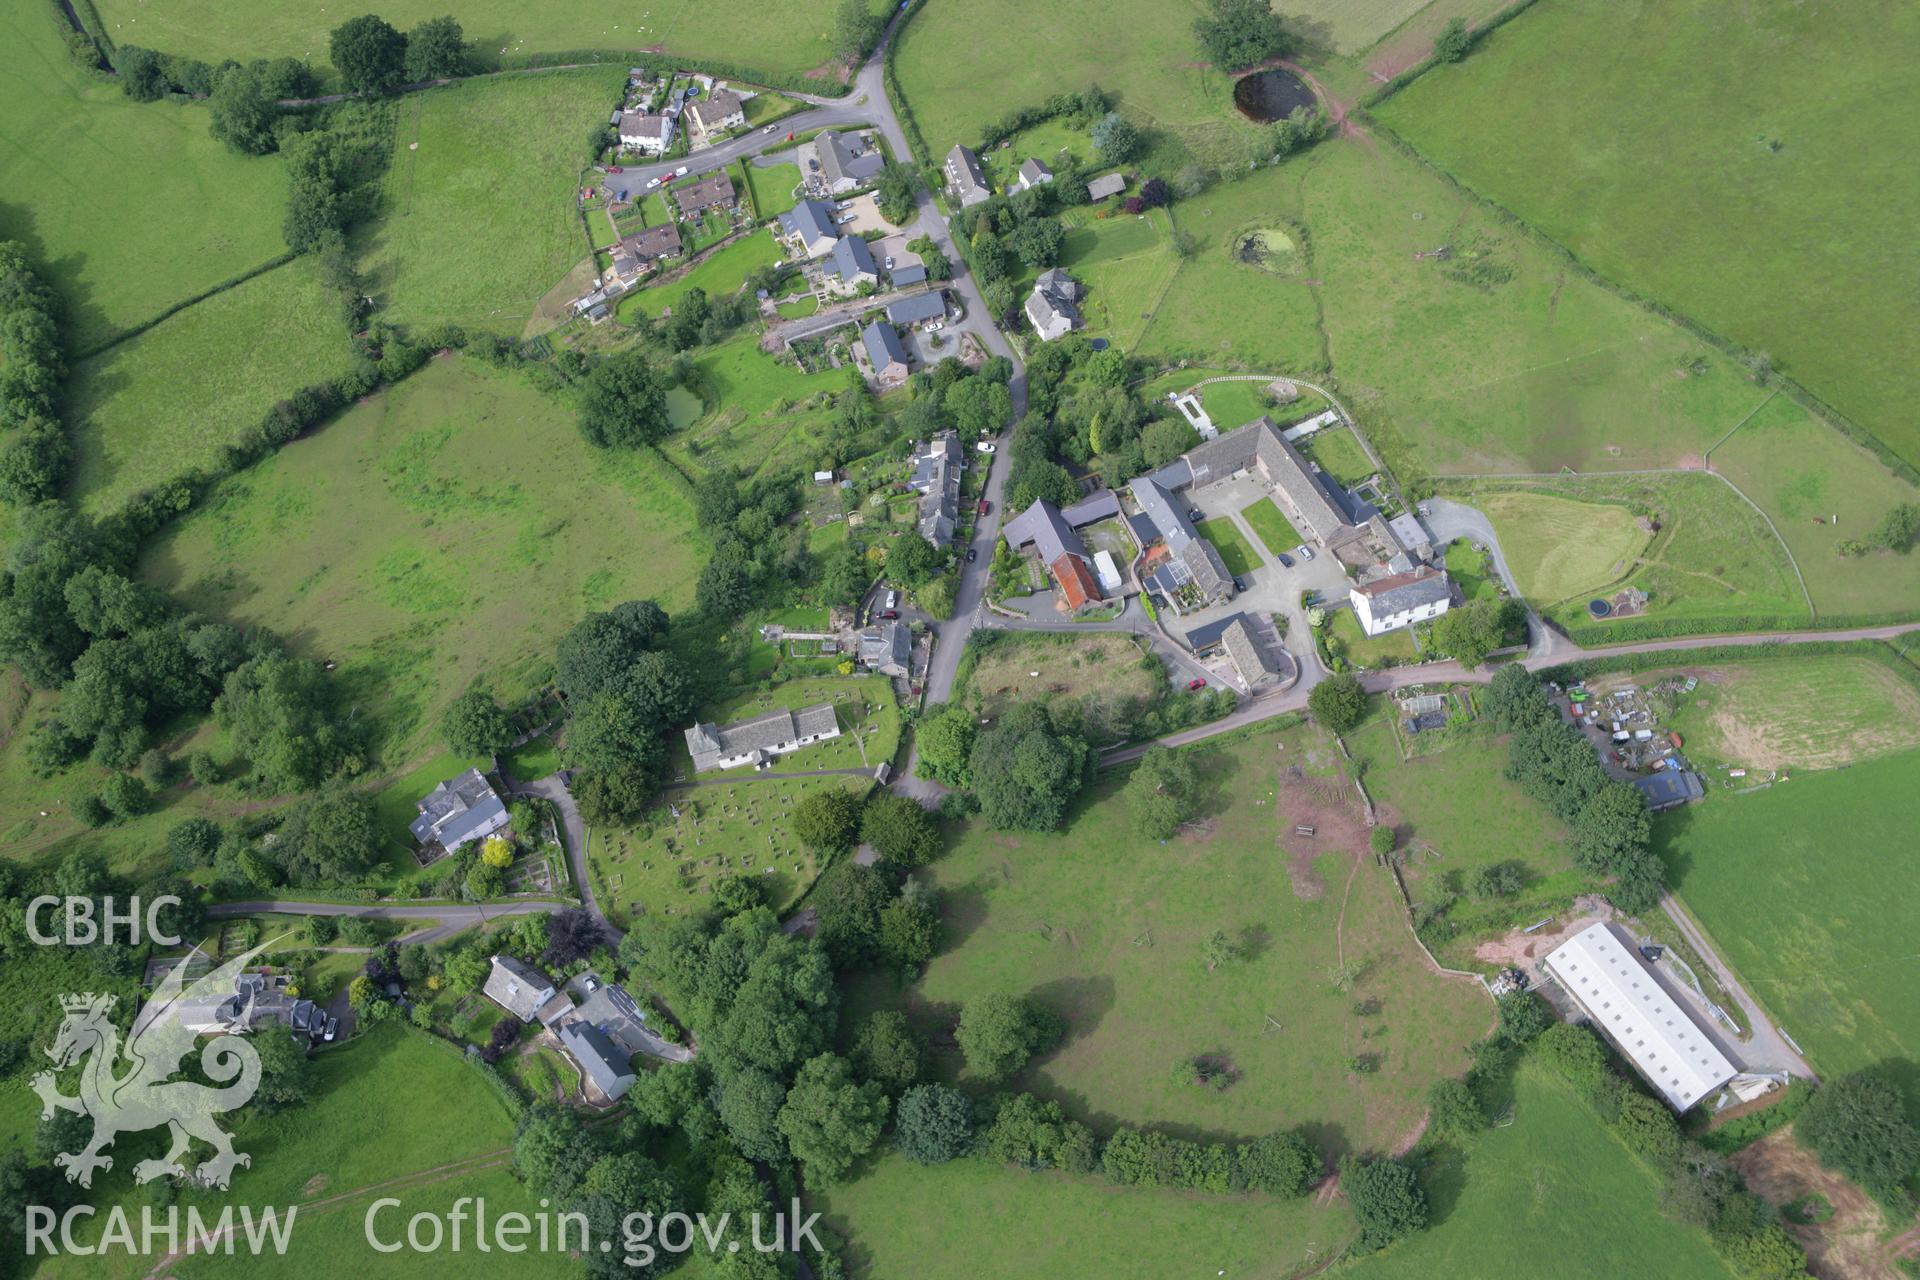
<point x="525" y="992"/>
<point x="648" y="134"/>
<point x="759" y="740"/>
<point x="1031" y="175"/>
<point x="890" y="361"/>
<point x="808" y="229"/>
<point x="966" y="181"/>
<point x="936" y="478"/>
<point x="457" y="811"/>
<point x="654" y="243"/>
<point x="1400" y="600"/>
<point x="623" y="270"/>
<point x="610" y="1070"/>
<point x="717" y="113"/>
<point x="1051" y="306"/>
<point x="917" y="310"/>
<point x="849" y="266"/>
<point x="1111" y="184"/>
<point x="846" y="162"/>
<point x="887" y="649"/>
<point x="715" y="190"/>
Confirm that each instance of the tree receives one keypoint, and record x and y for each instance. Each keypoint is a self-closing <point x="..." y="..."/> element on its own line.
<point x="1453" y="1111"/>
<point x="475" y="725"/>
<point x="1899" y="528"/>
<point x="1453" y="42"/>
<point x="624" y="403"/>
<point x="1338" y="702"/>
<point x="191" y="844"/>
<point x="620" y="1189"/>
<point x="1611" y="826"/>
<point x="736" y="893"/>
<point x="1523" y="1016"/>
<point x="856" y="29"/>
<point x="1515" y="698"/>
<point x="1221" y="949"/>
<point x="601" y="647"/>
<point x="278" y="712"/>
<point x="1025" y="772"/>
<point x="369" y="54"/>
<point x="825" y="820"/>
<point x="900" y="830"/>
<point x="436" y="50"/>
<point x="933" y="1124"/>
<point x="1239" y="33"/>
<point x="1116" y="138"/>
<point x="945" y="740"/>
<point x="1037" y="241"/>
<point x="1858" y="1125"/>
<point x="1164" y="439"/>
<point x="612" y="796"/>
<point x="286" y="1074"/>
<point x="887" y="1051"/>
<point x="998" y="1033"/>
<point x="1279" y="1164"/>
<point x="909" y="931"/>
<point x="243" y="113"/>
<point x="830" y="1119"/>
<point x="331" y="838"/>
<point x="1381" y="840"/>
<point x="125" y="796"/>
<point x="911" y="560"/>
<point x="849" y="899"/>
<point x="496" y="852"/>
<point x="1161" y="792"/>
<point x="1471" y="632"/>
<point x="1500" y="880"/>
<point x="1386" y="1198"/>
<point x="142" y="77"/>
<point x="34" y="463"/>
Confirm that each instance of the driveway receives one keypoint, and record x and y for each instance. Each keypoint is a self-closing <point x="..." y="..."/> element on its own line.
<point x="1447" y="520"/>
<point x="574" y="832"/>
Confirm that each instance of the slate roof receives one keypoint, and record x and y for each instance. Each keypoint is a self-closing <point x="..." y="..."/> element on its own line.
<point x="1208" y="569"/>
<point x="917" y="309"/>
<point x="810" y="220"/>
<point x="1058" y="285"/>
<point x="1107" y="185"/>
<point x="604" y="1064"/>
<point x="851" y="259"/>
<point x="518" y="987"/>
<point x="637" y="124"/>
<point x="694" y="197"/>
<point x="1248" y="654"/>
<point x="1669" y="787"/>
<point x="1411" y="534"/>
<point x="1168" y="516"/>
<point x="843" y="158"/>
<point x="1077" y="585"/>
<point x="655" y="242"/>
<point x="458" y="810"/>
<point x="708" y="113"/>
<point x="883" y="346"/>
<point x="965" y="178"/>
<point x="1046" y="527"/>
<point x="1399" y="592"/>
<point x="889" y="644"/>
<point x="908" y="273"/>
<point x="779" y="730"/>
<point x="1259" y="446"/>
<point x="1032" y="173"/>
<point x="933" y="463"/>
<point x="1103" y="505"/>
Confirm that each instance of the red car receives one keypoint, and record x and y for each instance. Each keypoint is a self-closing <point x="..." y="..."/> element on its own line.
<point x="1196" y="684"/>
<point x="890" y="615"/>
<point x="614" y="168"/>
<point x="984" y="506"/>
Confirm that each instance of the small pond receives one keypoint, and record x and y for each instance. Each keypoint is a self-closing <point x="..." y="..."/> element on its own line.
<point x="683" y="407"/>
<point x="1266" y="96"/>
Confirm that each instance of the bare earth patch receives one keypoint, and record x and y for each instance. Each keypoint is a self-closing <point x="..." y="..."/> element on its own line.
<point x="1330" y="807"/>
<point x="1521" y="950"/>
<point x="314" y="1185"/>
<point x="1846" y="1246"/>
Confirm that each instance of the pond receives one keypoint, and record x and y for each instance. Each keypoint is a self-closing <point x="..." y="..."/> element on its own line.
<point x="683" y="407"/>
<point x="1266" y="96"/>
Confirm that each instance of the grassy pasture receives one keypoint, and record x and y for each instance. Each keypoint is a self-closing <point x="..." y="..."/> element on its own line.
<point x="1792" y="883"/>
<point x="1723" y="140"/>
<point x="1339" y="454"/>
<point x="904" y="1219"/>
<point x="1125" y="263"/>
<point x="1364" y="651"/>
<point x="477" y="212"/>
<point x="1821" y="489"/>
<point x="1821" y="713"/>
<point x="720" y="275"/>
<point x="164" y="403"/>
<point x="1559" y="548"/>
<point x="1235" y="404"/>
<point x="1106" y="928"/>
<point x="773" y="188"/>
<point x="789" y="39"/>
<point x="1227" y="540"/>
<point x="447" y="530"/>
<point x="1271" y="526"/>
<point x="747" y="427"/>
<point x="127" y="207"/>
<point x="1523" y="1192"/>
<point x="1069" y="666"/>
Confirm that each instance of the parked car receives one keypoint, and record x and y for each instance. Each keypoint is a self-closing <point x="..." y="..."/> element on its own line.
<point x="614" y="168"/>
<point x="841" y="222"/>
<point x="1239" y="584"/>
<point x="1198" y="682"/>
<point x="1286" y="561"/>
<point x="973" y="553"/>
<point x="1196" y="515"/>
<point x="681" y="172"/>
<point x="985" y="446"/>
<point x="1304" y="551"/>
<point x="984" y="506"/>
<point x="889" y="615"/>
<point x="592" y="983"/>
<point x="770" y="128"/>
<point x="893" y="599"/>
<point x="652" y="183"/>
<point x="844" y="205"/>
<point x="889" y="264"/>
<point x="936" y="326"/>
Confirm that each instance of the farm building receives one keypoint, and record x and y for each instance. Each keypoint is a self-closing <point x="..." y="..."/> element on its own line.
<point x="1111" y="184"/>
<point x="1668" y="788"/>
<point x="1628" y="1004"/>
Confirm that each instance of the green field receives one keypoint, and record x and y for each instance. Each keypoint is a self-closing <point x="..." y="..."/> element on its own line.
<point x="765" y="409"/>
<point x="1125" y="264"/>
<point x="1551" y="1183"/>
<point x="721" y="275"/>
<point x="1030" y="667"/>
<point x="1817" y="713"/>
<point x="447" y="530"/>
<point x="1713" y="558"/>
<point x="1558" y="548"/>
<point x="1793" y="885"/>
<point x="773" y="188"/>
<point x="905" y="1220"/>
<point x="790" y="39"/>
<point x="1232" y="546"/>
<point x="1339" y="454"/>
<point x="164" y="403"/>
<point x="1271" y="526"/>
<point x="1822" y="489"/>
<point x="1106" y="928"/>
<point x="1238" y="402"/>
<point x="1723" y="141"/>
<point x="478" y="217"/>
<point x="127" y="208"/>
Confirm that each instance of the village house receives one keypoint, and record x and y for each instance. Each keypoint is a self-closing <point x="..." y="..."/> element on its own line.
<point x="654" y="244"/>
<point x="610" y="1070"/>
<point x="936" y="478"/>
<point x="1051" y="306"/>
<point x="714" y="191"/>
<point x="846" y="162"/>
<point x="1053" y="533"/>
<point x="966" y="181"/>
<point x="1031" y="175"/>
<point x="849" y="266"/>
<point x="1238" y="636"/>
<point x="759" y="740"/>
<point x="911" y="313"/>
<point x="887" y="649"/>
<point x="457" y="811"/>
<point x="891" y="364"/>
<point x="648" y="134"/>
<point x="807" y="229"/>
<point x="257" y="1000"/>
<point x="1111" y="184"/>
<point x="717" y="113"/>
<point x="525" y="992"/>
<point x="1400" y="600"/>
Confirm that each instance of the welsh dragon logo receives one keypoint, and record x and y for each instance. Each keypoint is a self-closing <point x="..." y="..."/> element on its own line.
<point x="127" y="1089"/>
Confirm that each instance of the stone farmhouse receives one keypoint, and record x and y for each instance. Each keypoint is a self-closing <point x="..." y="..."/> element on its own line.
<point x="1052" y="307"/>
<point x="936" y="478"/>
<point x="966" y="181"/>
<point x="648" y="134"/>
<point x="257" y="1000"/>
<point x="458" y="811"/>
<point x="759" y="740"/>
<point x="887" y="649"/>
<point x="1053" y="533"/>
<point x="525" y="992"/>
<point x="1401" y="599"/>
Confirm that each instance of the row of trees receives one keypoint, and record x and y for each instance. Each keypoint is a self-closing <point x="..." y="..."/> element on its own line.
<point x="1555" y="764"/>
<point x="33" y="373"/>
<point x="373" y="57"/>
<point x="624" y="694"/>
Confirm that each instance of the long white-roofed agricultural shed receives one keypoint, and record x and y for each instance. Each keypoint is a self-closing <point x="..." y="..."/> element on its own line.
<point x="1628" y="1004"/>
